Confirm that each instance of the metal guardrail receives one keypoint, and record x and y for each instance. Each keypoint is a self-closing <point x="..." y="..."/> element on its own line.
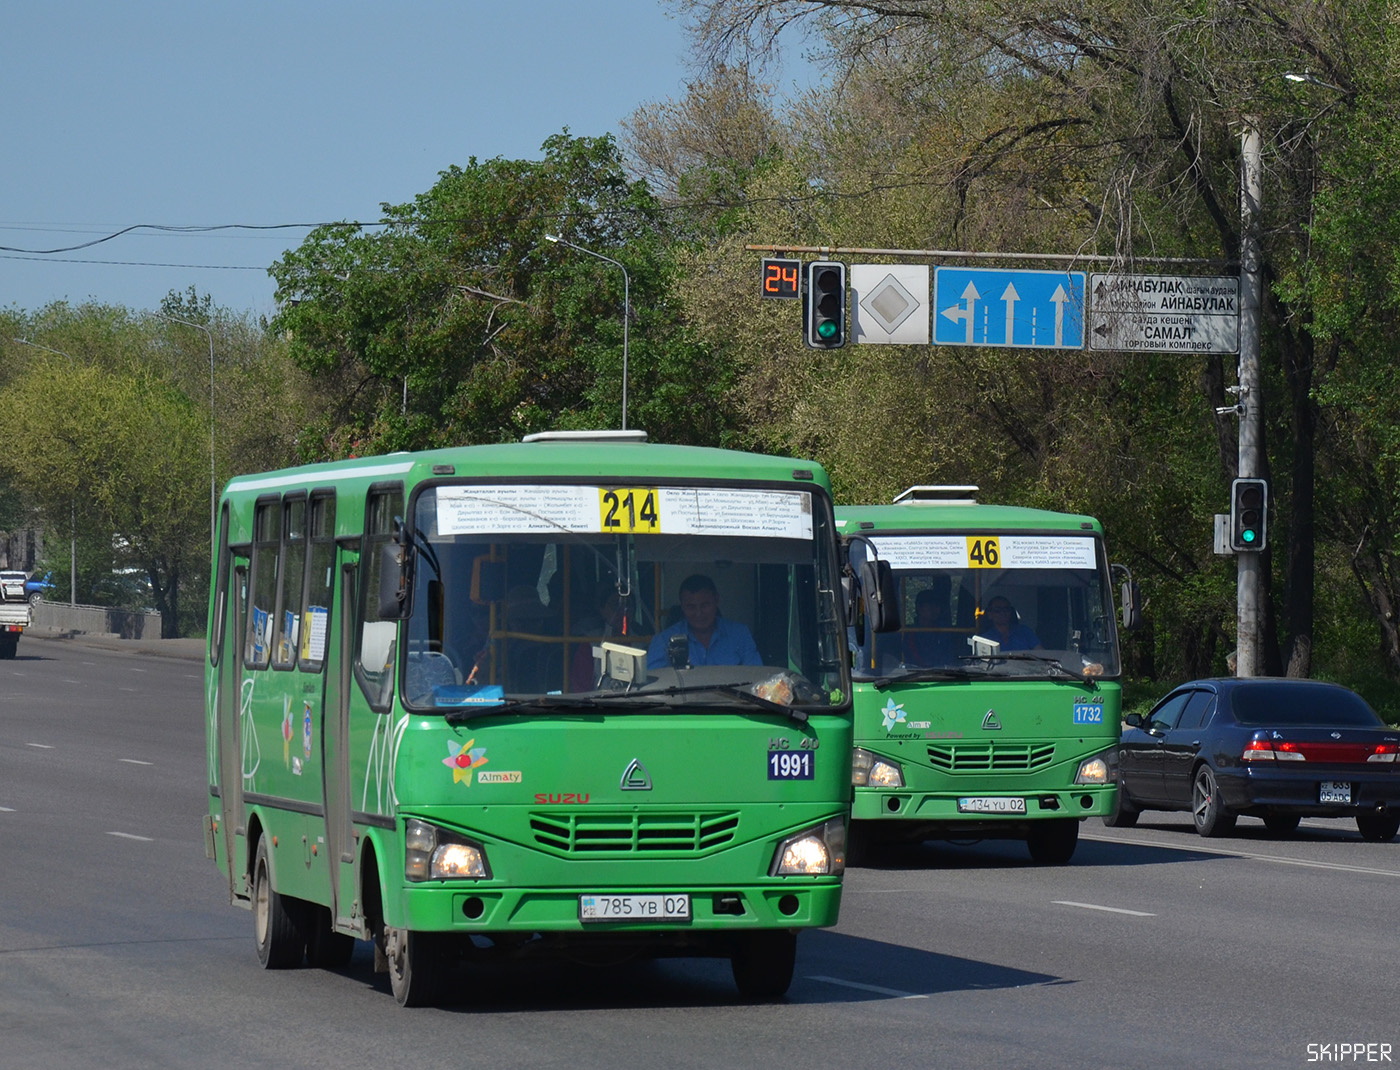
<point x="97" y="620"/>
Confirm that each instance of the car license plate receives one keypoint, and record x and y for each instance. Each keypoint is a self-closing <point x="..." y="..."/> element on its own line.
<point x="1334" y="791"/>
<point x="634" y="907"/>
<point x="991" y="804"/>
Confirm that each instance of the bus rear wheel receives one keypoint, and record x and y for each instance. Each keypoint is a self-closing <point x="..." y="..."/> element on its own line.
<point x="281" y="944"/>
<point x="417" y="966"/>
<point x="1052" y="842"/>
<point x="763" y="963"/>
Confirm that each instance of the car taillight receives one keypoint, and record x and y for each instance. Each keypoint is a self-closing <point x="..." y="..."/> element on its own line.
<point x="1385" y="752"/>
<point x="1268" y="750"/>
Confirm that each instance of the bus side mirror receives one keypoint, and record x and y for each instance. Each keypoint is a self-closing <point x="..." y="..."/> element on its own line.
<point x="881" y="598"/>
<point x="393" y="582"/>
<point x="1131" y="600"/>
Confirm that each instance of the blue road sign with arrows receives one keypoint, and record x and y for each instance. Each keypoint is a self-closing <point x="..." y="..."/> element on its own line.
<point x="1024" y="309"/>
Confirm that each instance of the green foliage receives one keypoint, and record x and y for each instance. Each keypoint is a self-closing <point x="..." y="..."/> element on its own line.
<point x="458" y="322"/>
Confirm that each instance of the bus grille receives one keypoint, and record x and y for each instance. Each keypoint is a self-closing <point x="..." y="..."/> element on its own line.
<point x="991" y="758"/>
<point x="594" y="834"/>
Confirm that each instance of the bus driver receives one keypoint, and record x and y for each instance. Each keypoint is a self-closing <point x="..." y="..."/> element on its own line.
<point x="713" y="639"/>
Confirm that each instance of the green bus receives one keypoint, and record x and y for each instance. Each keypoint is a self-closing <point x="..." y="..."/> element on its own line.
<point x="448" y="711"/>
<point x="993" y="712"/>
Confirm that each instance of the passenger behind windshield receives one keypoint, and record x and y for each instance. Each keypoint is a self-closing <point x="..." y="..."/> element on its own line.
<point x="927" y="641"/>
<point x="711" y="639"/>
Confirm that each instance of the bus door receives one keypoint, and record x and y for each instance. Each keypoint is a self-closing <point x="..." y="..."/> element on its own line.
<point x="235" y="736"/>
<point x="335" y="739"/>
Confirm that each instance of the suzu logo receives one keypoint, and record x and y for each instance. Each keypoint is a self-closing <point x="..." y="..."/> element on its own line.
<point x="893" y="714"/>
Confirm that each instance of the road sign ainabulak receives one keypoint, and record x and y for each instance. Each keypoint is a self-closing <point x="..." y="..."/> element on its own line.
<point x="1020" y="309"/>
<point x="1165" y="313"/>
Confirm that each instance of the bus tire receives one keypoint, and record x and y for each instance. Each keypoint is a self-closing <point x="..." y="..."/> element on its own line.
<point x="417" y="966"/>
<point x="1052" y="842"/>
<point x="763" y="962"/>
<point x="281" y="944"/>
<point x="326" y="949"/>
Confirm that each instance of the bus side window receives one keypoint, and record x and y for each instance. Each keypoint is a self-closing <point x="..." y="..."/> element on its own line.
<point x="267" y="547"/>
<point x="374" y="640"/>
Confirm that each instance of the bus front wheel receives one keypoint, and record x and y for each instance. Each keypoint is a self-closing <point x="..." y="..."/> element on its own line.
<point x="763" y="963"/>
<point x="417" y="965"/>
<point x="1052" y="842"/>
<point x="281" y="943"/>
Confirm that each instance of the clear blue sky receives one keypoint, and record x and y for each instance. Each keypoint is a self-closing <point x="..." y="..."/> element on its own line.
<point x="206" y="112"/>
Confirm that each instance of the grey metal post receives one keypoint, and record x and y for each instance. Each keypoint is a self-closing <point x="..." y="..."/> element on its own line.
<point x="1251" y="394"/>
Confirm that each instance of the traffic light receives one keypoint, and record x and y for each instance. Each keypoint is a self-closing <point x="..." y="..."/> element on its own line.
<point x="1249" y="510"/>
<point x="826" y="304"/>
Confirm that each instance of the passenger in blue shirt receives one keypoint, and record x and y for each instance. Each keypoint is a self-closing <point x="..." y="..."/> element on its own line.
<point x="713" y="639"/>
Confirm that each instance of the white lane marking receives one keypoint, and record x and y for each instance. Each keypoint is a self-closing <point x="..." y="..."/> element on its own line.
<point x="896" y="993"/>
<point x="129" y="836"/>
<point x="40" y="746"/>
<point x="7" y="809"/>
<point x="1096" y="906"/>
<point x="1254" y="856"/>
<point x="134" y="761"/>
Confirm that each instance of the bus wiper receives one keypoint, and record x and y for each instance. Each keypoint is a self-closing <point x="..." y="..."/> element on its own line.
<point x="920" y="675"/>
<point x="462" y="715"/>
<point x="738" y="691"/>
<point x="1018" y="655"/>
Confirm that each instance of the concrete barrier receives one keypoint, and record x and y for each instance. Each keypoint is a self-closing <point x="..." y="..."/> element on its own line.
<point x="97" y="620"/>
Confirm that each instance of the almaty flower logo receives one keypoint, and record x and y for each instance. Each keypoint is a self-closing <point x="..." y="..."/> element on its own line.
<point x="894" y="714"/>
<point x="463" y="761"/>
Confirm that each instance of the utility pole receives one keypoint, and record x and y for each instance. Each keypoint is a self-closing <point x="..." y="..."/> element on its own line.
<point x="1247" y="563"/>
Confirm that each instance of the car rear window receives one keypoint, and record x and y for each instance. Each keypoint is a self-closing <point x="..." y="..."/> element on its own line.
<point x="1270" y="704"/>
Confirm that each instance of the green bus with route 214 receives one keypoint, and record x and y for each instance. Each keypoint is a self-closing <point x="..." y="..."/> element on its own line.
<point x="993" y="711"/>
<point x="440" y="717"/>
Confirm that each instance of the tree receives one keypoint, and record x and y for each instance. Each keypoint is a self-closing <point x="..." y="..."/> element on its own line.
<point x="456" y="322"/>
<point x="1108" y="128"/>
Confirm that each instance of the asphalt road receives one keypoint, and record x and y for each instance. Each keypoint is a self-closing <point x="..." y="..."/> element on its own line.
<point x="1155" y="948"/>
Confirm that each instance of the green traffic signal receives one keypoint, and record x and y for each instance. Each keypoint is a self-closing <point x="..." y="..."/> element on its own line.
<point x="826" y="305"/>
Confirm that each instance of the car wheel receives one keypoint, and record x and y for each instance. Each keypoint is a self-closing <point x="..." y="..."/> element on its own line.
<point x="1123" y="815"/>
<point x="1208" y="812"/>
<point x="1378" y="828"/>
<point x="1052" y="842"/>
<point x="1281" y="824"/>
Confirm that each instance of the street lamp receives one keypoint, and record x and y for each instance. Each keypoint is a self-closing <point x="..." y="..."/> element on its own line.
<point x="213" y="491"/>
<point x="72" y="502"/>
<point x="626" y="309"/>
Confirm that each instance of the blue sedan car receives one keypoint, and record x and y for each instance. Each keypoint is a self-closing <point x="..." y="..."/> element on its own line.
<point x="1277" y="749"/>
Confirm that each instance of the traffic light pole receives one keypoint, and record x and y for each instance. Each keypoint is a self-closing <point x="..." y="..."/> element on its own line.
<point x="1247" y="595"/>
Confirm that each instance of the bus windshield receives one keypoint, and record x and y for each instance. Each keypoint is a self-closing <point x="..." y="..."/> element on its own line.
<point x="679" y="595"/>
<point x="1017" y="606"/>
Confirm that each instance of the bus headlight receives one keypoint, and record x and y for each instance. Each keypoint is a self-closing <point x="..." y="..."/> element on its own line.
<point x="1101" y="769"/>
<point x="869" y="770"/>
<point x="819" y="850"/>
<point x="432" y="853"/>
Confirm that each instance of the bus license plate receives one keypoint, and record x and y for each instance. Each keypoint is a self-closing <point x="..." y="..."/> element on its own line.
<point x="1335" y="791"/>
<point x="634" y="907"/>
<point x="983" y="804"/>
